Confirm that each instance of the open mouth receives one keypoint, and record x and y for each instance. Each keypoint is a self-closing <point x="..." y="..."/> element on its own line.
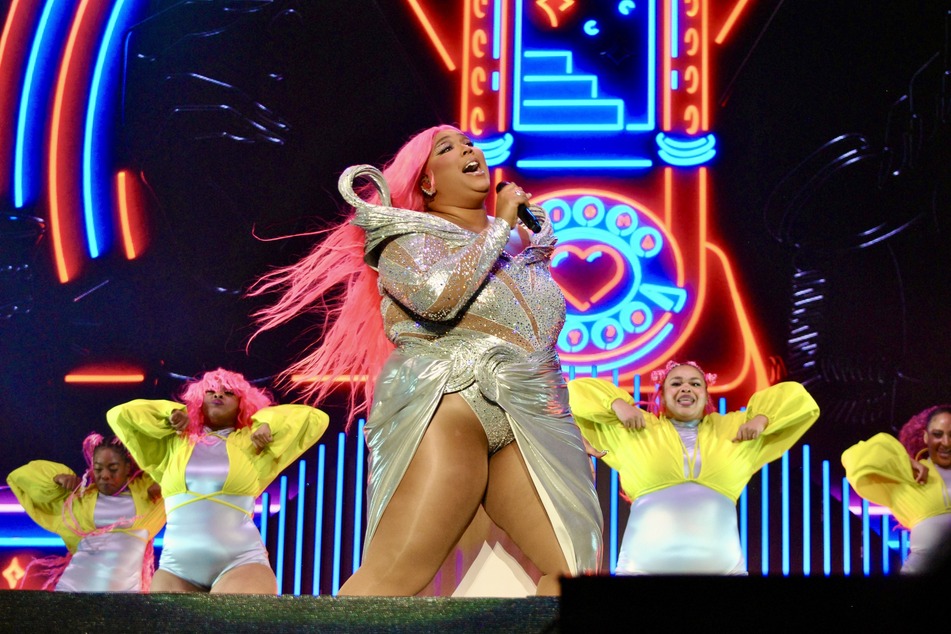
<point x="472" y="167"/>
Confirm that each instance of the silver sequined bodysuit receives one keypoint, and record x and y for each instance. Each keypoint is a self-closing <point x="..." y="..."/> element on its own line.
<point x="513" y="306"/>
<point x="682" y="529"/>
<point x="209" y="533"/>
<point x="112" y="561"/>
<point x="468" y="318"/>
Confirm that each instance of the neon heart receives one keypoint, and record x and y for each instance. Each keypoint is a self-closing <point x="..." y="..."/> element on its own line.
<point x="577" y="275"/>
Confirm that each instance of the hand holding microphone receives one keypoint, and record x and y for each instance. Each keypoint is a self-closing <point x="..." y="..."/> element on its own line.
<point x="524" y="214"/>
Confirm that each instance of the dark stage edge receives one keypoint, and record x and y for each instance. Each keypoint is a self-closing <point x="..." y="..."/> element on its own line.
<point x="34" y="612"/>
<point x="686" y="605"/>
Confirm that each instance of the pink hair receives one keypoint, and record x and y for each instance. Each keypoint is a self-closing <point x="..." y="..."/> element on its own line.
<point x="250" y="398"/>
<point x="912" y="433"/>
<point x="335" y="284"/>
<point x="658" y="377"/>
<point x="48" y="570"/>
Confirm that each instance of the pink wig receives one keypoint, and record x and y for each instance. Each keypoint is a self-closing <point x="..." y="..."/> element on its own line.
<point x="912" y="433"/>
<point x="334" y="284"/>
<point x="250" y="398"/>
<point x="658" y="377"/>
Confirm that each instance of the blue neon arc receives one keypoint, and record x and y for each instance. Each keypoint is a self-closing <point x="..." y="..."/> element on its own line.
<point x="96" y="138"/>
<point x="27" y="135"/>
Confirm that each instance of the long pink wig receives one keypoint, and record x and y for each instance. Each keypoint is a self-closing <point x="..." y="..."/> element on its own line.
<point x="334" y="283"/>
<point x="656" y="406"/>
<point x="912" y="433"/>
<point x="250" y="398"/>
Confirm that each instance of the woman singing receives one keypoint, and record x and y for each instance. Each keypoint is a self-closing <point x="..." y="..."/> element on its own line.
<point x="456" y="318"/>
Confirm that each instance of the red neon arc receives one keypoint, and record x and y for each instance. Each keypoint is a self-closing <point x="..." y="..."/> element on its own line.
<point x="65" y="140"/>
<point x="13" y="51"/>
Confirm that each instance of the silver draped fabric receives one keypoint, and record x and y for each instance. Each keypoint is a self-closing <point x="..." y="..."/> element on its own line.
<point x="462" y="312"/>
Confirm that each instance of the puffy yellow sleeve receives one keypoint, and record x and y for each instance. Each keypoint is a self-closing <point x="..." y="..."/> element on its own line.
<point x="590" y="400"/>
<point x="142" y="426"/>
<point x="294" y="429"/>
<point x="151" y="512"/>
<point x="790" y="410"/>
<point x="877" y="467"/>
<point x="41" y="498"/>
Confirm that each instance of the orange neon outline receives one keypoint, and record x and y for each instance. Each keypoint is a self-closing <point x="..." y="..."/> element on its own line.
<point x="431" y="32"/>
<point x="705" y="67"/>
<point x="122" y="196"/>
<point x="730" y="21"/>
<point x="746" y="328"/>
<point x="104" y="378"/>
<point x="666" y="90"/>
<point x="702" y="271"/>
<point x="62" y="269"/>
<point x="668" y="196"/>
<point x="501" y="111"/>
<point x="464" y="82"/>
<point x="6" y="92"/>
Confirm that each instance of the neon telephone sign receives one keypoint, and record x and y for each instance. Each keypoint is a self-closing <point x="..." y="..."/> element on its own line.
<point x="602" y="110"/>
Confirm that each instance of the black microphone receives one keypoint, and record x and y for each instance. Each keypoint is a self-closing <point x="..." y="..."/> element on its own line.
<point x="526" y="216"/>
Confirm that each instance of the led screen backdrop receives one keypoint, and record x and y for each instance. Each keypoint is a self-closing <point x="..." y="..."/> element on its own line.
<point x="756" y="185"/>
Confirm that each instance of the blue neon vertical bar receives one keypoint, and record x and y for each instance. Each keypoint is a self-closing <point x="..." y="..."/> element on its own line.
<point x="614" y="521"/>
<point x="744" y="523"/>
<point x="319" y="518"/>
<point x="905" y="545"/>
<point x="358" y="498"/>
<point x="299" y="537"/>
<point x="265" y="512"/>
<point x="497" y="30"/>
<point x="826" y="519"/>
<point x="866" y="540"/>
<point x="674" y="29"/>
<point x="637" y="388"/>
<point x="338" y="515"/>
<point x="281" y="531"/>
<point x="721" y="405"/>
<point x="886" y="567"/>
<point x="764" y="534"/>
<point x="20" y="170"/>
<point x="846" y="532"/>
<point x="92" y="136"/>
<point x="785" y="503"/>
<point x="571" y="372"/>
<point x="806" y="512"/>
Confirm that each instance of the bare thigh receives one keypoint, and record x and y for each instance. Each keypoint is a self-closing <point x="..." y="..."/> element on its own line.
<point x="430" y="509"/>
<point x="512" y="502"/>
<point x="164" y="581"/>
<point x="247" y="579"/>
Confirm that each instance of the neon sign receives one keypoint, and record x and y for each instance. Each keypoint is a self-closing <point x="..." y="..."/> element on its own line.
<point x="602" y="110"/>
